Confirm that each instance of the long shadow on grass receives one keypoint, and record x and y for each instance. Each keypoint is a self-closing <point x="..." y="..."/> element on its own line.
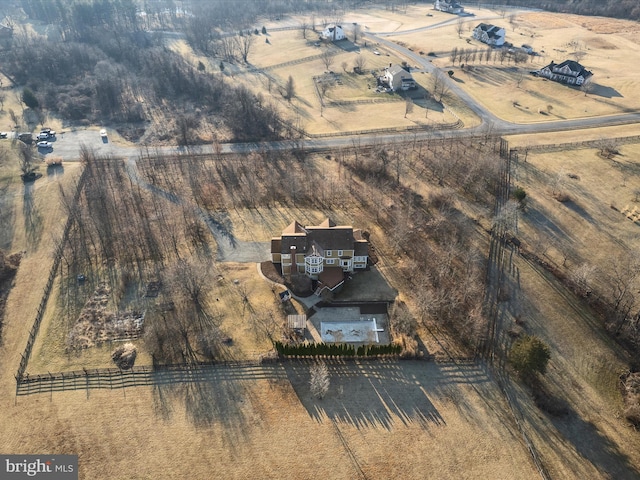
<point x="379" y="394"/>
<point x="586" y="438"/>
<point x="213" y="395"/>
<point x="32" y="216"/>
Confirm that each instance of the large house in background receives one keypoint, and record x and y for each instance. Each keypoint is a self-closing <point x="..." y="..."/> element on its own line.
<point x="323" y="252"/>
<point x="449" y="6"/>
<point x="397" y="78"/>
<point x="568" y="72"/>
<point x="489" y="34"/>
<point x="333" y="33"/>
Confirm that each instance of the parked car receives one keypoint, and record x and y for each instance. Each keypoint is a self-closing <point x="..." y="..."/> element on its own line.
<point x="103" y="133"/>
<point x="48" y="131"/>
<point x="4" y="134"/>
<point x="43" y="136"/>
<point x="45" y="145"/>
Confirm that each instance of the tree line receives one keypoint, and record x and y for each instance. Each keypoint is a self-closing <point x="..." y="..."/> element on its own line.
<point x="625" y="9"/>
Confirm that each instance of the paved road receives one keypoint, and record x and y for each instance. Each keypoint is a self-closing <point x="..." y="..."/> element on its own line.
<point x="68" y="145"/>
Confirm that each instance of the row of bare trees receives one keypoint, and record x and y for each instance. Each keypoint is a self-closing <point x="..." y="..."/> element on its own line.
<point x="466" y="56"/>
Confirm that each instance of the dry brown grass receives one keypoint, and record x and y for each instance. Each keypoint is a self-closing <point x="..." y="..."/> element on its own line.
<point x="496" y="86"/>
<point x="382" y="414"/>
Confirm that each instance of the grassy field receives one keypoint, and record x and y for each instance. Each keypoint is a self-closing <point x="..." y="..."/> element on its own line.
<point x="374" y="418"/>
<point x="568" y="232"/>
<point x="604" y="46"/>
<point x="409" y="419"/>
<point x="572" y="136"/>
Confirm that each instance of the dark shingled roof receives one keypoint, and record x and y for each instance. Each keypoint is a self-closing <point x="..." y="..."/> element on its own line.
<point x="298" y="241"/>
<point x="361" y="248"/>
<point x="326" y="236"/>
<point x="335" y="238"/>
<point x="276" y="245"/>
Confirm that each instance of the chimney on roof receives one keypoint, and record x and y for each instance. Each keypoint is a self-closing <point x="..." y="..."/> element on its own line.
<point x="292" y="250"/>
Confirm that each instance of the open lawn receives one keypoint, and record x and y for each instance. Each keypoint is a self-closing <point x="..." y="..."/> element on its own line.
<point x="573" y="136"/>
<point x="445" y="418"/>
<point x="585" y="229"/>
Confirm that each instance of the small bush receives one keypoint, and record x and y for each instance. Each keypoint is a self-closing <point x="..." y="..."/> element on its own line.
<point x="529" y="356"/>
<point x="562" y="197"/>
<point x="519" y="194"/>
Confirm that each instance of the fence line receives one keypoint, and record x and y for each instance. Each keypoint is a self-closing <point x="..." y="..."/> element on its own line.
<point x="26" y="355"/>
<point x="584" y="144"/>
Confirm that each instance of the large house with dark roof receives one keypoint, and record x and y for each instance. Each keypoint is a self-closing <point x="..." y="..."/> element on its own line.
<point x="489" y="34"/>
<point x="568" y="72"/>
<point x="324" y="252"/>
<point x="449" y="6"/>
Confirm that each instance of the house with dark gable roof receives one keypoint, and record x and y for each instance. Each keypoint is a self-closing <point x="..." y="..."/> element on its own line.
<point x="489" y="34"/>
<point x="323" y="252"/>
<point x="449" y="6"/>
<point x="569" y="72"/>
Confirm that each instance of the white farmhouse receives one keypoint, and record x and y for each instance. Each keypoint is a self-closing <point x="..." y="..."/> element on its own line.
<point x="333" y="33"/>
<point x="489" y="34"/>
<point x="397" y="78"/>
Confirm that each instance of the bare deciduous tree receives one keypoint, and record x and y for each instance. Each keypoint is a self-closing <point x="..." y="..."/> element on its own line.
<point x="439" y="85"/>
<point x="408" y="106"/>
<point x="327" y="58"/>
<point x="319" y="380"/>
<point x="360" y="64"/>
<point x="245" y="42"/>
<point x="460" y="26"/>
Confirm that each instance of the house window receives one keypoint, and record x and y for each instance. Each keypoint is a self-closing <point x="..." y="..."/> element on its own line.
<point x="328" y="253"/>
<point x="344" y="263"/>
<point x="313" y="270"/>
<point x="340" y="253"/>
<point x="330" y="261"/>
<point x="313" y="260"/>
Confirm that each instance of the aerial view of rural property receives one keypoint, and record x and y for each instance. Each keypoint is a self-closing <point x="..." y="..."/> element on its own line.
<point x="320" y="239"/>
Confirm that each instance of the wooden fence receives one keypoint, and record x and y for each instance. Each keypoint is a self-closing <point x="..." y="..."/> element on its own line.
<point x="26" y="355"/>
<point x="115" y="378"/>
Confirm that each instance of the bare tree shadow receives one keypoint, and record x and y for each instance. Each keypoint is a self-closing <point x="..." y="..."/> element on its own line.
<point x="379" y="393"/>
<point x="213" y="395"/>
<point x="594" y="446"/>
<point x="571" y="205"/>
<point x="7" y="217"/>
<point x="32" y="216"/>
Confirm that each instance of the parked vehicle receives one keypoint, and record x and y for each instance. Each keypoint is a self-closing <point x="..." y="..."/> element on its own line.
<point x="48" y="131"/>
<point x="25" y="137"/>
<point x="43" y="136"/>
<point x="45" y="145"/>
<point x="4" y="134"/>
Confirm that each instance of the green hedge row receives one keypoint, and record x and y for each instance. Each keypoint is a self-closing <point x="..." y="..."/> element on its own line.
<point x="336" y="350"/>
